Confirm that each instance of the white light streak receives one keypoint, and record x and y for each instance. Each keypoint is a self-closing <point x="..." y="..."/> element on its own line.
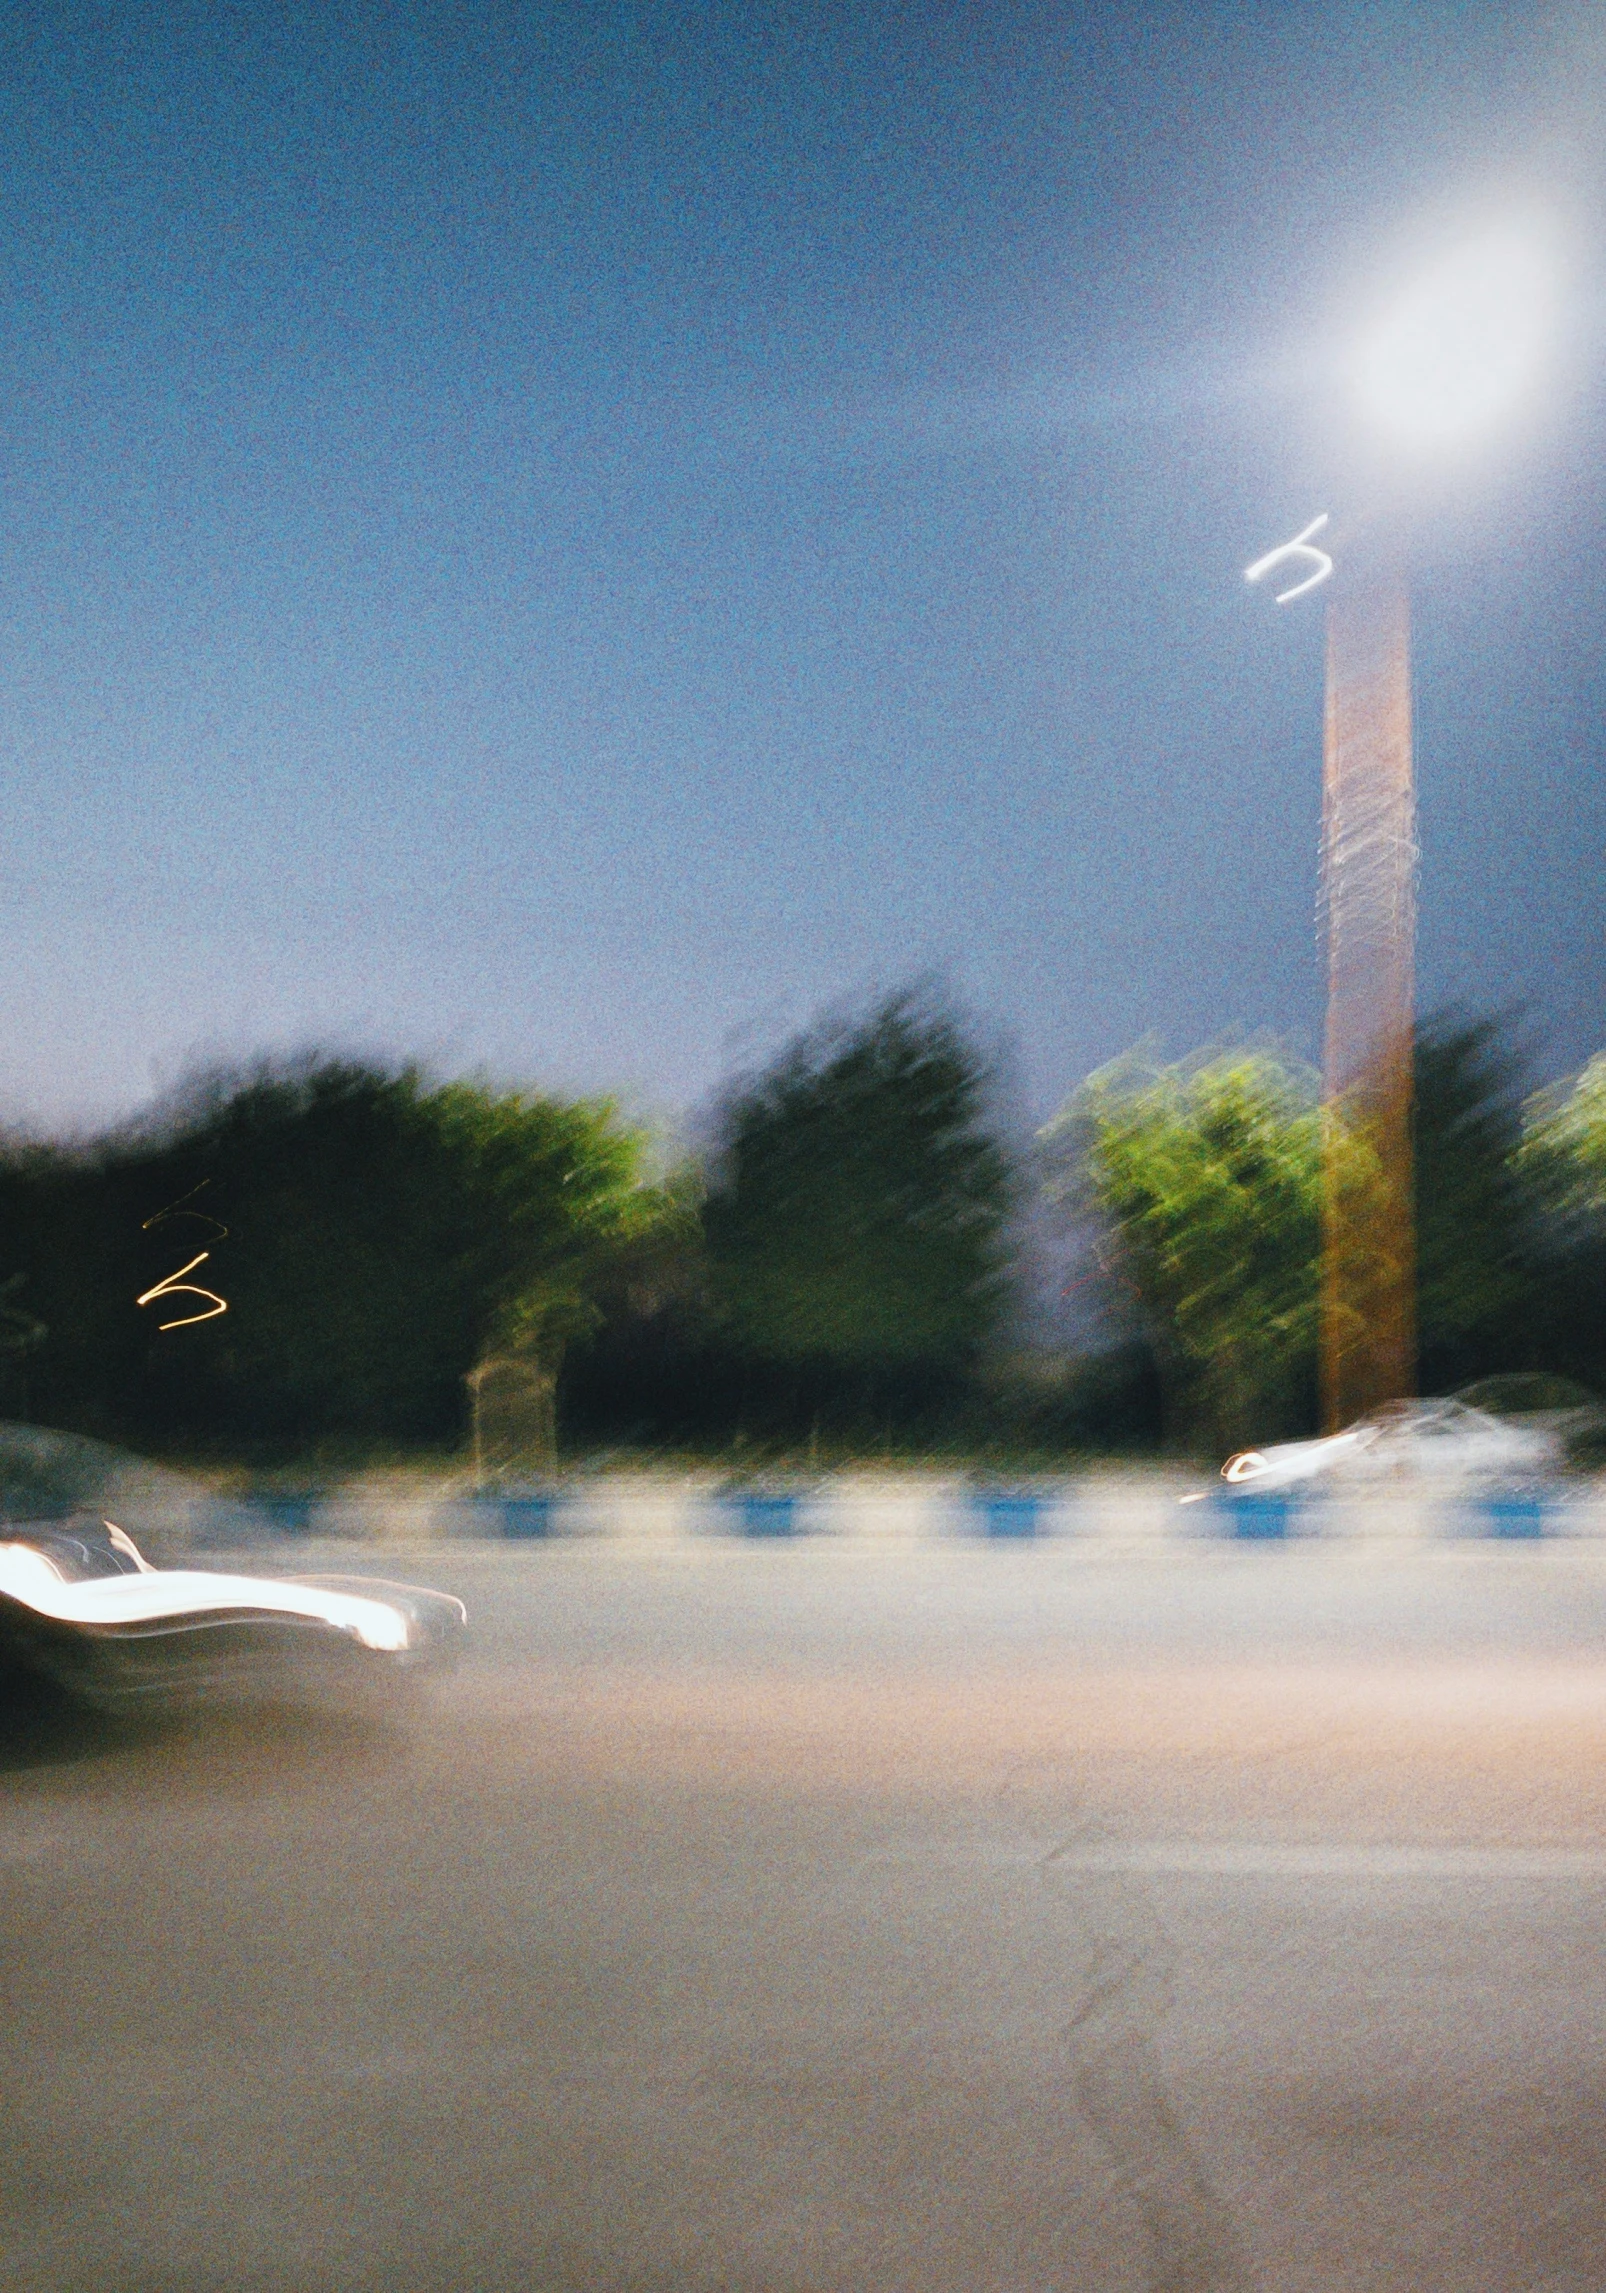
<point x="1298" y="548"/>
<point x="170" y="1596"/>
<point x="122" y="1542"/>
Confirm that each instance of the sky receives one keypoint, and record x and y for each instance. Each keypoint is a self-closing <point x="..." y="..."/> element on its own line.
<point x="562" y="541"/>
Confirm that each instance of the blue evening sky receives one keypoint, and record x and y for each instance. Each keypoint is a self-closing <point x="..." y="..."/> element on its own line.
<point x="560" y="540"/>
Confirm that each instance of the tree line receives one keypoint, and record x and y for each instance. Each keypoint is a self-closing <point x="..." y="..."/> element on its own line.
<point x="1206" y="1179"/>
<point x="325" y="1252"/>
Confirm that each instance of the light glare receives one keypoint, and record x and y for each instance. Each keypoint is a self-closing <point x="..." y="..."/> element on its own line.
<point x="1460" y="346"/>
<point x="1244" y="1465"/>
<point x="167" y="1595"/>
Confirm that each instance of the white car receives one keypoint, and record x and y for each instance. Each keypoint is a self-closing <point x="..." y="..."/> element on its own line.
<point x="1444" y="1439"/>
<point x="81" y="1605"/>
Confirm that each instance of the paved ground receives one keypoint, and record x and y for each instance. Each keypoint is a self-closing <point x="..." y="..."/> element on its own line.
<point x="784" y="1919"/>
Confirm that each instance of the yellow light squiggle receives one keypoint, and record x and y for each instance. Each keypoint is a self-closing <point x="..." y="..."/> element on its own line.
<point x="177" y="1210"/>
<point x="174" y="1285"/>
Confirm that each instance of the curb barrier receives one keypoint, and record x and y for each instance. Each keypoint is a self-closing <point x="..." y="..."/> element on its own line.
<point x="657" y="1509"/>
<point x="1262" y="1513"/>
<point x="887" y="1508"/>
<point x="1118" y="1514"/>
<point x="1016" y="1513"/>
<point x="290" y="1514"/>
<point x="1513" y="1513"/>
<point x="532" y="1515"/>
<point x="763" y="1512"/>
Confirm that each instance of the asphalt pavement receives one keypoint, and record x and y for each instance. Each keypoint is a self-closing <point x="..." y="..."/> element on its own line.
<point x="798" y="1918"/>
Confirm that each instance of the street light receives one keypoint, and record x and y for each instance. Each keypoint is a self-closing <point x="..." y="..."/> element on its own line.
<point x="1456" y="350"/>
<point x="1449" y="357"/>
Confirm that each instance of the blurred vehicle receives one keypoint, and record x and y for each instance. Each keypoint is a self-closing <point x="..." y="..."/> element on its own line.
<point x="1446" y="1439"/>
<point x="81" y="1605"/>
<point x="1542" y="1402"/>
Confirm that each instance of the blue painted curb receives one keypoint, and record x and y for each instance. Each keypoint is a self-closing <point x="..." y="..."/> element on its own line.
<point x="1265" y="1513"/>
<point x="764" y="1513"/>
<point x="1010" y="1513"/>
<point x="527" y="1516"/>
<point x="290" y="1515"/>
<point x="1513" y="1513"/>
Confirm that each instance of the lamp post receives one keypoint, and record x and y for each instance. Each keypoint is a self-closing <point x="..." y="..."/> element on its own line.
<point x="1444" y="362"/>
<point x="1367" y="1346"/>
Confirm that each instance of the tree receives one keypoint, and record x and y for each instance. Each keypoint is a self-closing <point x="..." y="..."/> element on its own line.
<point x="857" y="1220"/>
<point x="1208" y="1178"/>
<point x="1564" y="1144"/>
<point x="1563" y="1160"/>
<point x="1477" y="1206"/>
<point x="372" y="1235"/>
<point x="569" y="1211"/>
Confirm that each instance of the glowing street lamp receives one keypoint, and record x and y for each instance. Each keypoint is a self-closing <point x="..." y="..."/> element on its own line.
<point x="1460" y="346"/>
<point x="1448" y="359"/>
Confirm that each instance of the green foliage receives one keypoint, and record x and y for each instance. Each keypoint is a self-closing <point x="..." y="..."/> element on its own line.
<point x="1564" y="1145"/>
<point x="1563" y="1162"/>
<point x="857" y="1227"/>
<point x="1476" y="1208"/>
<point x="380" y="1233"/>
<point x="848" y="1276"/>
<point x="558" y="1190"/>
<point x="1208" y="1177"/>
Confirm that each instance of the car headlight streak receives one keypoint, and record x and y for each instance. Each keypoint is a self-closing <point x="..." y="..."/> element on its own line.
<point x="1247" y="1465"/>
<point x="176" y="1597"/>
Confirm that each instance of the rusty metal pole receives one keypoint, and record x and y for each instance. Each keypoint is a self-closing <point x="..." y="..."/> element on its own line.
<point x="1369" y="856"/>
